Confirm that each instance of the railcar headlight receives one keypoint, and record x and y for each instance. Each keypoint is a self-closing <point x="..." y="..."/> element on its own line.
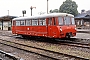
<point x="60" y="29"/>
<point x="75" y="28"/>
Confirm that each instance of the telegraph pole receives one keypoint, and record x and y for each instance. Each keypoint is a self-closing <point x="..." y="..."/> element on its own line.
<point x="31" y="9"/>
<point x="8" y="12"/>
<point x="23" y="12"/>
<point x="47" y="6"/>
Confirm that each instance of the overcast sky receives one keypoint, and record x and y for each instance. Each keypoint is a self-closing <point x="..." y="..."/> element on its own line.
<point x="15" y="7"/>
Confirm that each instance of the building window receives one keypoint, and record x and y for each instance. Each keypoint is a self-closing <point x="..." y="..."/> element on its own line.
<point x="73" y="21"/>
<point x="9" y="24"/>
<point x="78" y="22"/>
<point x="0" y="23"/>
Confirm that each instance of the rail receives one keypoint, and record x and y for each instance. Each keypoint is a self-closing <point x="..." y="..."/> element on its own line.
<point x="9" y="55"/>
<point x="50" y="54"/>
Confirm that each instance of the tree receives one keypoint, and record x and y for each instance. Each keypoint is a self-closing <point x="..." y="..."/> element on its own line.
<point x="41" y="13"/>
<point x="54" y="11"/>
<point x="51" y="11"/>
<point x="69" y="6"/>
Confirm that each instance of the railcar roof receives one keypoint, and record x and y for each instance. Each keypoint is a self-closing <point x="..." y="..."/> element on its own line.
<point x="44" y="16"/>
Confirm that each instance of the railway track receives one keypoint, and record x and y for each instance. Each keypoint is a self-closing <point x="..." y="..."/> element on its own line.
<point x="8" y="56"/>
<point x="40" y="51"/>
<point x="73" y="43"/>
<point x="84" y="32"/>
<point x="69" y="42"/>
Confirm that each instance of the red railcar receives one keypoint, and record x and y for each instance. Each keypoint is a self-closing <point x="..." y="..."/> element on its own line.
<point x="55" y="25"/>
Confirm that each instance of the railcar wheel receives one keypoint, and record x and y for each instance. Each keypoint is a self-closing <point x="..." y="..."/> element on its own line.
<point x="68" y="35"/>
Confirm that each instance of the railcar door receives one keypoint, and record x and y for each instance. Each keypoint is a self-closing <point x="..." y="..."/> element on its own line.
<point x="49" y="27"/>
<point x="52" y="29"/>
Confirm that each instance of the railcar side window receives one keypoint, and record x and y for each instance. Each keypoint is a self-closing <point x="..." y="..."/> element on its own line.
<point x="73" y="21"/>
<point x="9" y="24"/>
<point x="60" y="20"/>
<point x="22" y="23"/>
<point x="17" y="23"/>
<point x="34" y="22"/>
<point x="42" y="21"/>
<point x="0" y="23"/>
<point x="28" y="22"/>
<point x="67" y="20"/>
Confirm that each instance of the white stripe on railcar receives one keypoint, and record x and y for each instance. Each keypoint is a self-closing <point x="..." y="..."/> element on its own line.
<point x="44" y="16"/>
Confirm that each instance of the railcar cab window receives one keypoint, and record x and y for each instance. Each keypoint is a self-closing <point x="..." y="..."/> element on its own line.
<point x="67" y="20"/>
<point x="17" y="23"/>
<point x="22" y="23"/>
<point x="28" y="22"/>
<point x="73" y="21"/>
<point x="34" y="22"/>
<point x="60" y="20"/>
<point x="42" y="21"/>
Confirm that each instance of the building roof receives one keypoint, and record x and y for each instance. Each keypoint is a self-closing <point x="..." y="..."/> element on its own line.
<point x="7" y="17"/>
<point x="83" y="16"/>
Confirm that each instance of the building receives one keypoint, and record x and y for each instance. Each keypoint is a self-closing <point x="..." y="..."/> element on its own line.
<point x="6" y="22"/>
<point x="83" y="20"/>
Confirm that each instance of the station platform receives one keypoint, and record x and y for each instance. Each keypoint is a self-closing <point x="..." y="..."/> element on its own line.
<point x="83" y="34"/>
<point x="83" y="30"/>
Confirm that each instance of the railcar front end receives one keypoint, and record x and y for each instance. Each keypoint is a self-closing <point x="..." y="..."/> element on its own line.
<point x="67" y="27"/>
